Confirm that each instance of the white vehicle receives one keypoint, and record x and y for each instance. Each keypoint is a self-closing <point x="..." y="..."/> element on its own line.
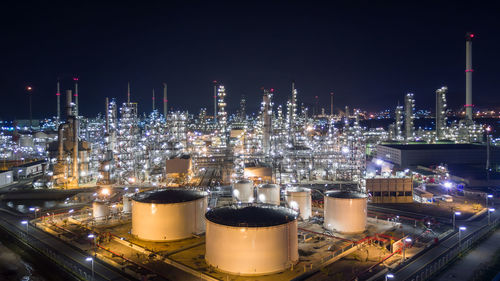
<point x="447" y="198"/>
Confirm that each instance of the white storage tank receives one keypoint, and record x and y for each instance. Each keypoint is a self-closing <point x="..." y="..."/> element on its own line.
<point x="345" y="211"/>
<point x="243" y="191"/>
<point x="251" y="240"/>
<point x="299" y="199"/>
<point x="100" y="209"/>
<point x="127" y="203"/>
<point x="168" y="214"/>
<point x="268" y="193"/>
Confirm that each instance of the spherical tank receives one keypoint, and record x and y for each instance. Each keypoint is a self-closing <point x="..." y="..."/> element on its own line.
<point x="127" y="203"/>
<point x="100" y="209"/>
<point x="243" y="190"/>
<point x="299" y="199"/>
<point x="268" y="193"/>
<point x="169" y="214"/>
<point x="345" y="212"/>
<point x="251" y="240"/>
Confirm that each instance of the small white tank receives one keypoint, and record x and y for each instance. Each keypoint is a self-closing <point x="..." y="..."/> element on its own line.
<point x="127" y="203"/>
<point x="268" y="193"/>
<point x="243" y="191"/>
<point x="100" y="209"/>
<point x="299" y="199"/>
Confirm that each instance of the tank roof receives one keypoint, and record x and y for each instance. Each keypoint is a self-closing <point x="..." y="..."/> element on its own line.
<point x="166" y="196"/>
<point x="251" y="216"/>
<point x="244" y="181"/>
<point x="269" y="185"/>
<point x="298" y="189"/>
<point x="345" y="194"/>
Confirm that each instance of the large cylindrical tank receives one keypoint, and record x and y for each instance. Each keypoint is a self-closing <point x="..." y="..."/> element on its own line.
<point x="299" y="199"/>
<point x="100" y="209"/>
<point x="251" y="240"/>
<point x="345" y="211"/>
<point x="268" y="193"/>
<point x="169" y="214"/>
<point x="127" y="203"/>
<point x="243" y="191"/>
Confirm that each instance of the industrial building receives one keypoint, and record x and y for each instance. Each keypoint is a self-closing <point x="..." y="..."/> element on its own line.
<point x="390" y="190"/>
<point x="251" y="240"/>
<point x="6" y="178"/>
<point x="412" y="155"/>
<point x="29" y="169"/>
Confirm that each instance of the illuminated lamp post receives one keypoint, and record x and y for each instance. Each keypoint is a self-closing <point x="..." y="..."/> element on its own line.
<point x="490" y="210"/>
<point x="90" y="259"/>
<point x="460" y="229"/>
<point x="455" y="214"/>
<point x="29" y="90"/>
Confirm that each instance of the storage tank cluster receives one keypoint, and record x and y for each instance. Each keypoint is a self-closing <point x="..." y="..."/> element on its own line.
<point x="243" y="191"/>
<point x="268" y="193"/>
<point x="168" y="214"/>
<point x="345" y="211"/>
<point x="299" y="199"/>
<point x="251" y="240"/>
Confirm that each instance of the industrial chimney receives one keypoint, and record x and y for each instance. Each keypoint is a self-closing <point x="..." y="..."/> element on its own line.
<point x="468" y="75"/>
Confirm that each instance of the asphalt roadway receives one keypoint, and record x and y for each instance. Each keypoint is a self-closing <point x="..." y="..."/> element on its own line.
<point x="451" y="241"/>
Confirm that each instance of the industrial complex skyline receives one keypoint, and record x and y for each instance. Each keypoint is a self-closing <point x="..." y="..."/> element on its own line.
<point x="278" y="140"/>
<point x="369" y="55"/>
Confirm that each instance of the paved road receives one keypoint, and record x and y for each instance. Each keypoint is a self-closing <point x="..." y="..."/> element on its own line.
<point x="465" y="267"/>
<point x="102" y="270"/>
<point x="416" y="264"/>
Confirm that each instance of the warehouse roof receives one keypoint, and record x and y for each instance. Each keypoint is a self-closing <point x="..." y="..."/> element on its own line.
<point x="435" y="146"/>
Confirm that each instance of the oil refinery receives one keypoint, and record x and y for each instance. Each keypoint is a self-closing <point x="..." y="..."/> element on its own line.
<point x="286" y="193"/>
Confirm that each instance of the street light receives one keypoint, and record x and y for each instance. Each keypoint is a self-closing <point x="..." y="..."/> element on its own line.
<point x="26" y="223"/>
<point x="407" y="240"/>
<point x="92" y="236"/>
<point x="487" y="197"/>
<point x="389" y="276"/>
<point x="90" y="259"/>
<point x="455" y="214"/>
<point x="490" y="210"/>
<point x="460" y="229"/>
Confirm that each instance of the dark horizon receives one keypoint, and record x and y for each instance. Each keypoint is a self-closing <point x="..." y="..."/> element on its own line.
<point x="369" y="57"/>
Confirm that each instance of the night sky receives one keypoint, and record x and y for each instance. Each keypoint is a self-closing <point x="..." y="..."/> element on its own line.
<point x="368" y="53"/>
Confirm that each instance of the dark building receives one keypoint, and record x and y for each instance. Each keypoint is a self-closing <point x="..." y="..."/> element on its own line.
<point x="412" y="155"/>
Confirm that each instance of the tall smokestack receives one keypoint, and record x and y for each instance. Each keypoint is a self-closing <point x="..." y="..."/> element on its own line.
<point x="106" y="111"/>
<point x="76" y="96"/>
<point x="468" y="75"/>
<point x="215" y="101"/>
<point x="75" y="150"/>
<point x="68" y="104"/>
<point x="153" y="99"/>
<point x="165" y="101"/>
<point x="331" y="103"/>
<point x="128" y="92"/>
<point x="58" y="95"/>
